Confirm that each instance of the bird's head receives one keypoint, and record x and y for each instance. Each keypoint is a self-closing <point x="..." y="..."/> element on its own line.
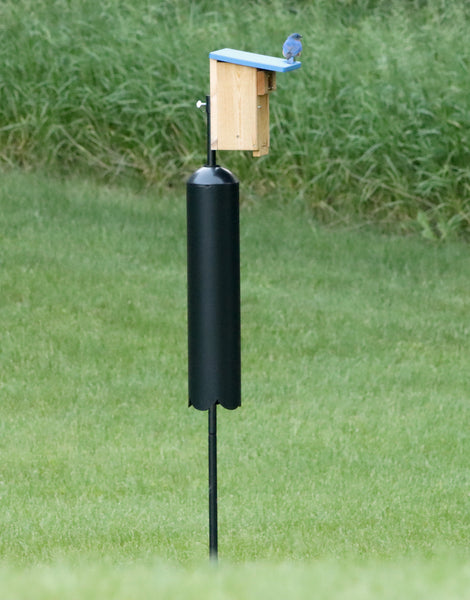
<point x="295" y="36"/>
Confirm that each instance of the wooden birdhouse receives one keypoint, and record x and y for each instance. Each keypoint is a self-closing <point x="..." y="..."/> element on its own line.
<point x="240" y="83"/>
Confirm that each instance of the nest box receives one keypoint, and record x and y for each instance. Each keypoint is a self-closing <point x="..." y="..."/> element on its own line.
<point x="240" y="83"/>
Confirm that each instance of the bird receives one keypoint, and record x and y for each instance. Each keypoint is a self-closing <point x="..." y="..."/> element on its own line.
<point x="292" y="47"/>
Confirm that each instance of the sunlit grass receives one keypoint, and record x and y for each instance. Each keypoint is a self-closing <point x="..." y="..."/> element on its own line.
<point x="447" y="578"/>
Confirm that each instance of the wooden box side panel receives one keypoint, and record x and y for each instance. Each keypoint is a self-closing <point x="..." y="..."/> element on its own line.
<point x="263" y="126"/>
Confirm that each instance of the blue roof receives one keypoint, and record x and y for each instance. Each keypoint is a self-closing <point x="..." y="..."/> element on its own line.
<point x="259" y="61"/>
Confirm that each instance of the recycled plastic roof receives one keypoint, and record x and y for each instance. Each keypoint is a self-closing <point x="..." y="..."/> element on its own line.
<point x="258" y="61"/>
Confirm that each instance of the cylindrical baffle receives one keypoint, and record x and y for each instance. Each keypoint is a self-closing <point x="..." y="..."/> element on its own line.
<point x="213" y="231"/>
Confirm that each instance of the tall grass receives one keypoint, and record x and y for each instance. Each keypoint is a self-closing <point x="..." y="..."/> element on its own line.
<point x="376" y="124"/>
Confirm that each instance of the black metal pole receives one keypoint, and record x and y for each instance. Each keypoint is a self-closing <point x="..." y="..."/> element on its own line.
<point x="213" y="528"/>
<point x="211" y="159"/>
<point x="213" y="525"/>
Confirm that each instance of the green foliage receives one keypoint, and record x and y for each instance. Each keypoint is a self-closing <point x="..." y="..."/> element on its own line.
<point x="375" y="125"/>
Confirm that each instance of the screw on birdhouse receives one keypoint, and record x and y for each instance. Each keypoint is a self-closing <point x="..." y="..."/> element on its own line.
<point x="199" y="103"/>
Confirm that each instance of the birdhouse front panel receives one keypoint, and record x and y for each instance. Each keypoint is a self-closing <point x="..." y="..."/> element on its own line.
<point x="239" y="116"/>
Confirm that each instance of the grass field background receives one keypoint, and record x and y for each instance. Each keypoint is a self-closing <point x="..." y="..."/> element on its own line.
<point x="346" y="465"/>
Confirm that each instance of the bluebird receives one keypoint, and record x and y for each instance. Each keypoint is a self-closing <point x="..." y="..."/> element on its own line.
<point x="292" y="47"/>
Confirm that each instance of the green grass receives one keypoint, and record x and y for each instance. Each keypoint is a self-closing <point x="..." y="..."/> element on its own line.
<point x="346" y="466"/>
<point x="446" y="579"/>
<point x="374" y="127"/>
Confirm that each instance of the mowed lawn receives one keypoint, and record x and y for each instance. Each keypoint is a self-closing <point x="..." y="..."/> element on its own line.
<point x="344" y="473"/>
